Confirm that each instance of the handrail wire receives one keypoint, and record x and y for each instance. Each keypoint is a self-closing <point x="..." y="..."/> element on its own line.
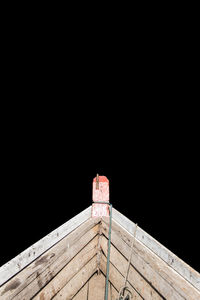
<point x="109" y="245"/>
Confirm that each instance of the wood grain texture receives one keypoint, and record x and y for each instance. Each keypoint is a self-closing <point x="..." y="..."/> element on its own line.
<point x="134" y="278"/>
<point x="96" y="287"/>
<point x="97" y="284"/>
<point x="170" y="258"/>
<point x="82" y="294"/>
<point x="77" y="281"/>
<point x="159" y="274"/>
<point x="112" y="292"/>
<point x="69" y="271"/>
<point x="91" y="289"/>
<point x="26" y="257"/>
<point x="116" y="278"/>
<point x="63" y="264"/>
<point x="43" y="269"/>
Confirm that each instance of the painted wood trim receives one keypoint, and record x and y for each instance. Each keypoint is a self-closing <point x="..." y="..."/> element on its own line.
<point x="30" y="254"/>
<point x="170" y="258"/>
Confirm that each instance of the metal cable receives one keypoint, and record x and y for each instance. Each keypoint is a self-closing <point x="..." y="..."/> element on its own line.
<point x="109" y="244"/>
<point x="124" y="287"/>
<point x="129" y="262"/>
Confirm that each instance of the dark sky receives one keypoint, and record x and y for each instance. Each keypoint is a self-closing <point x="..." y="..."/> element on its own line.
<point x="69" y="112"/>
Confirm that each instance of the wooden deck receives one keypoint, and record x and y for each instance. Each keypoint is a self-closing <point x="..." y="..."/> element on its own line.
<point x="70" y="263"/>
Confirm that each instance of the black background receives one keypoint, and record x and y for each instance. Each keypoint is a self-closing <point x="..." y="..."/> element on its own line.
<point x="47" y="178"/>
<point x="119" y="103"/>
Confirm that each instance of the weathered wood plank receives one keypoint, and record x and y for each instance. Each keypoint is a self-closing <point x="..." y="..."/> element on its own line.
<point x="169" y="283"/>
<point x="112" y="292"/>
<point x="31" y="279"/>
<point x="77" y="282"/>
<point x="134" y="278"/>
<point x="82" y="294"/>
<point x="123" y="243"/>
<point x="170" y="258"/>
<point x="69" y="271"/>
<point x="116" y="278"/>
<point x="96" y="287"/>
<point x="52" y="270"/>
<point x="26" y="257"/>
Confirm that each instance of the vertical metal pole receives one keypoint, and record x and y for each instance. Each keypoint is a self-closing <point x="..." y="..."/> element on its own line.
<point x="108" y="256"/>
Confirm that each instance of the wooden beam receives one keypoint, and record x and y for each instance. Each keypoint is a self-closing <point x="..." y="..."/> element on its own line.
<point x="95" y="283"/>
<point x="96" y="287"/>
<point x="82" y="294"/>
<point x="26" y="257"/>
<point x="135" y="279"/>
<point x="77" y="281"/>
<point x="170" y="258"/>
<point x="69" y="271"/>
<point x="112" y="292"/>
<point x="116" y="278"/>
<point x="162" y="277"/>
<point x="43" y="269"/>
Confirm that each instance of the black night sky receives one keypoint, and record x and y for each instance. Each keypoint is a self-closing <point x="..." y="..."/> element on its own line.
<point x="69" y="112"/>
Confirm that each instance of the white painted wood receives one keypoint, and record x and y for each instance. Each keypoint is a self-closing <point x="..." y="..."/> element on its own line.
<point x="171" y="259"/>
<point x="166" y="280"/>
<point x="69" y="271"/>
<point x="77" y="282"/>
<point x="26" y="257"/>
<point x="33" y="278"/>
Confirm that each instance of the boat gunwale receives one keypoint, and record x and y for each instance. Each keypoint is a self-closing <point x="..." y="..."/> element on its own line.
<point x="176" y="263"/>
<point x="22" y="260"/>
<point x="12" y="267"/>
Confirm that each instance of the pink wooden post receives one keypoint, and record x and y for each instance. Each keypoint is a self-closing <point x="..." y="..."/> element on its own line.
<point x="100" y="193"/>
